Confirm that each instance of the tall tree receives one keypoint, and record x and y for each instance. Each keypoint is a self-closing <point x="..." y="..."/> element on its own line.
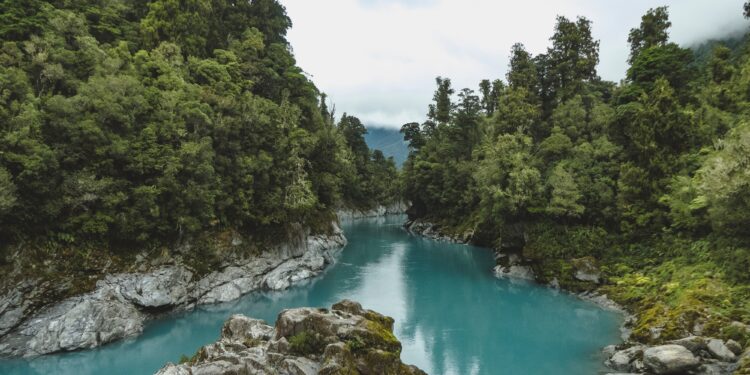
<point x="522" y="72"/>
<point x="653" y="31"/>
<point x="440" y="110"/>
<point x="485" y="89"/>
<point x="573" y="57"/>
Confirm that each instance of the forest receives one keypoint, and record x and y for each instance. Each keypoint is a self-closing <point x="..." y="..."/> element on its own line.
<point x="649" y="177"/>
<point x="135" y="124"/>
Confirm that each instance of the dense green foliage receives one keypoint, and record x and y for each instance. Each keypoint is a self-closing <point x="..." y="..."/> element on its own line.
<point x="136" y="122"/>
<point x="567" y="166"/>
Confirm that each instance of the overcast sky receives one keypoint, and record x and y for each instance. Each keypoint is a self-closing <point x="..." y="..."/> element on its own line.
<point x="377" y="59"/>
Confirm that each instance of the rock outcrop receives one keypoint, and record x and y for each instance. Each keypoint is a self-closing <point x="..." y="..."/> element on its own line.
<point x="121" y="303"/>
<point x="346" y="339"/>
<point x="396" y="208"/>
<point x="433" y="231"/>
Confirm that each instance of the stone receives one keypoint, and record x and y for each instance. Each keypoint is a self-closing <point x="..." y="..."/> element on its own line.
<point x="609" y="350"/>
<point x="669" y="359"/>
<point x="720" y="368"/>
<point x="695" y="344"/>
<point x="515" y="272"/>
<point x="586" y="270"/>
<point x="305" y="341"/>
<point x="623" y="360"/>
<point x="720" y="351"/>
<point x="734" y="346"/>
<point x="166" y="286"/>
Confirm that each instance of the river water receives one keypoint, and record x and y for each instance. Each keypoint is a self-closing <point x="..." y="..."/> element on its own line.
<point x="451" y="315"/>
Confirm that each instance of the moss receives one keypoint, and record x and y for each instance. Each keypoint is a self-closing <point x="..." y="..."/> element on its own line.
<point x="200" y="355"/>
<point x="382" y="362"/>
<point x="744" y="366"/>
<point x="355" y="344"/>
<point x="251" y="342"/>
<point x="307" y="343"/>
<point x="382" y="338"/>
<point x="385" y="321"/>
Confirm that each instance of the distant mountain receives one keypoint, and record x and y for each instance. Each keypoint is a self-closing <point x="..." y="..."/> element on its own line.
<point x="390" y="141"/>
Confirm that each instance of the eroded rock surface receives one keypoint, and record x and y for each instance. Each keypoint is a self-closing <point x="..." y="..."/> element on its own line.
<point x="121" y="303"/>
<point x="346" y="339"/>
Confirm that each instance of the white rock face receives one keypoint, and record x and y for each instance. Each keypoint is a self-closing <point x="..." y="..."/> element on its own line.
<point x="720" y="351"/>
<point x="669" y="359"/>
<point x="122" y="303"/>
<point x="76" y="323"/>
<point x="396" y="208"/>
<point x="515" y="272"/>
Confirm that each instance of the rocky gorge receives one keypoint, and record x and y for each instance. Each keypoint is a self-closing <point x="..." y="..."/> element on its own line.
<point x="345" y="339"/>
<point x="693" y="354"/>
<point x="120" y="304"/>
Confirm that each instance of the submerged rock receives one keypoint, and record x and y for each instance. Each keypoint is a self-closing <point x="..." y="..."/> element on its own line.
<point x="346" y="339"/>
<point x="121" y="303"/>
<point x="669" y="359"/>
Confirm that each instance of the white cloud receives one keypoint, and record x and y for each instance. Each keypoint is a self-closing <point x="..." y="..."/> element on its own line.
<point x="377" y="59"/>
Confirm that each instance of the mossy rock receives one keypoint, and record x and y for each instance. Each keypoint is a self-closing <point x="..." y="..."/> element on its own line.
<point x="307" y="343"/>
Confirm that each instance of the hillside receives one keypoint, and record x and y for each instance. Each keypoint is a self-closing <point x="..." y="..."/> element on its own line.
<point x="390" y="141"/>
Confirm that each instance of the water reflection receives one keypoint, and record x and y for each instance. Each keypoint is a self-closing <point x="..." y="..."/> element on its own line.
<point x="452" y="315"/>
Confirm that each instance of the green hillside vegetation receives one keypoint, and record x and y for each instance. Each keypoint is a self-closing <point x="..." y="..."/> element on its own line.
<point x="129" y="124"/>
<point x="649" y="177"/>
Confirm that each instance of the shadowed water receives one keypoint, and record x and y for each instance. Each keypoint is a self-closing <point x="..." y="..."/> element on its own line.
<point x="452" y="316"/>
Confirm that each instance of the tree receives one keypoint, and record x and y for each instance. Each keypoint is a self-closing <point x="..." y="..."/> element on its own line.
<point x="181" y="22"/>
<point x="516" y="114"/>
<point x="521" y="70"/>
<point x="354" y="134"/>
<point x="466" y="122"/>
<point x="723" y="183"/>
<point x="508" y="182"/>
<point x="573" y="57"/>
<point x="413" y="134"/>
<point x="7" y="193"/>
<point x="746" y="9"/>
<point x="652" y="32"/>
<point x="440" y="110"/>
<point x="670" y="62"/>
<point x="485" y="89"/>
<point x="565" y="195"/>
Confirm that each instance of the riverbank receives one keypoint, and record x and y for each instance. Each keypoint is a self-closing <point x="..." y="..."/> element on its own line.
<point x="345" y="339"/>
<point x="594" y="280"/>
<point x="33" y="322"/>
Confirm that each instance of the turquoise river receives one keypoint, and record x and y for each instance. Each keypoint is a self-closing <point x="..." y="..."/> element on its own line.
<point x="452" y="316"/>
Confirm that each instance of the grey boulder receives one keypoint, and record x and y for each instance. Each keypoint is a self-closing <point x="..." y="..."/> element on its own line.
<point x="669" y="359"/>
